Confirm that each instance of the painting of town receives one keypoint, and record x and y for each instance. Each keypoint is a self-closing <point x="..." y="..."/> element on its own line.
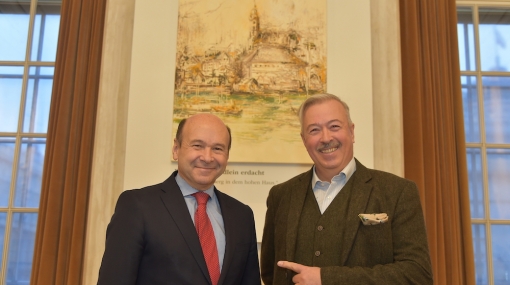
<point x="252" y="63"/>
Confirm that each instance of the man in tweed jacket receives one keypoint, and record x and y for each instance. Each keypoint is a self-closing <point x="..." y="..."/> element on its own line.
<point x="340" y="222"/>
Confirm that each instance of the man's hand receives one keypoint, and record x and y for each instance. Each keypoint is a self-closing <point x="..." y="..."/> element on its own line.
<point x="306" y="275"/>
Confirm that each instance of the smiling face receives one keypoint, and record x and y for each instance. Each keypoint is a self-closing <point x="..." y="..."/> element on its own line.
<point x="328" y="137"/>
<point x="203" y="152"/>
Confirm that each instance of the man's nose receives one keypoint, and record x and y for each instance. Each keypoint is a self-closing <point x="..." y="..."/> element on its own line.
<point x="325" y="135"/>
<point x="207" y="155"/>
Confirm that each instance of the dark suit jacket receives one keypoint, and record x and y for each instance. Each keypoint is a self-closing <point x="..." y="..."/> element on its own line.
<point x="152" y="240"/>
<point x="395" y="252"/>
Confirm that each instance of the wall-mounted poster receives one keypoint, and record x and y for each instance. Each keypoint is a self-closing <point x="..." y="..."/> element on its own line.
<point x="251" y="63"/>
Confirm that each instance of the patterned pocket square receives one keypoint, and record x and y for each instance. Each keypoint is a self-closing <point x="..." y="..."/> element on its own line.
<point x="373" y="219"/>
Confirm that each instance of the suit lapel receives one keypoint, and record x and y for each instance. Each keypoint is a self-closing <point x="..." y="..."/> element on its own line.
<point x="176" y="206"/>
<point x="297" y="195"/>
<point x="357" y="203"/>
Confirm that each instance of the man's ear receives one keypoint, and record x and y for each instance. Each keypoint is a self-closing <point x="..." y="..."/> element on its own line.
<point x="351" y="127"/>
<point x="175" y="150"/>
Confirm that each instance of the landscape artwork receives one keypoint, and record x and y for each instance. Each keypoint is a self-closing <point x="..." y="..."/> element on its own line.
<point x="252" y="63"/>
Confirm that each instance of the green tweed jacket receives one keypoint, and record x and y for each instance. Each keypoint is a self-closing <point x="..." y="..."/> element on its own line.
<point x="395" y="252"/>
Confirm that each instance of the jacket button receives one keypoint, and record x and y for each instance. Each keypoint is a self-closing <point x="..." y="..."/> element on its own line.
<point x="320" y="228"/>
<point x="317" y="253"/>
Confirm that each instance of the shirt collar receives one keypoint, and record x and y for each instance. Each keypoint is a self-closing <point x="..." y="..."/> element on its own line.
<point x="347" y="171"/>
<point x="187" y="190"/>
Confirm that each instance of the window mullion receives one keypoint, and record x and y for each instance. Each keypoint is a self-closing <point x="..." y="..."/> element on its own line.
<point x="485" y="174"/>
<point x="5" y="254"/>
<point x="26" y="65"/>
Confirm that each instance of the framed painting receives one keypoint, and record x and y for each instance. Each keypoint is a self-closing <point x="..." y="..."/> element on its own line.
<point x="252" y="63"/>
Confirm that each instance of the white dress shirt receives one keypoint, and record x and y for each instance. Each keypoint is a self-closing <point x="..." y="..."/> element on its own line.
<point x="325" y="192"/>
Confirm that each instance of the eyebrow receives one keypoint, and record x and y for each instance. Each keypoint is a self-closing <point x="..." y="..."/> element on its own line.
<point x="203" y="142"/>
<point x="196" y="141"/>
<point x="327" y="123"/>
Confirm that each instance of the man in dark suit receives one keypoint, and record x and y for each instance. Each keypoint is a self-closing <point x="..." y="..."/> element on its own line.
<point x="152" y="237"/>
<point x="340" y="222"/>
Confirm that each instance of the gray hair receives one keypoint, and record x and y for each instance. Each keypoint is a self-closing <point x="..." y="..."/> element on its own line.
<point x="320" y="98"/>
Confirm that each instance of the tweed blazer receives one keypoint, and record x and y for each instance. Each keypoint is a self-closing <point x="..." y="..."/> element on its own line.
<point x="395" y="252"/>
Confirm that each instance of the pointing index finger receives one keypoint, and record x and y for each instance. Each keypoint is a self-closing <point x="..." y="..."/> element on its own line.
<point x="290" y="265"/>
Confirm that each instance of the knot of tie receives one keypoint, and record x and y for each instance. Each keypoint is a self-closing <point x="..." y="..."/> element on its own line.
<point x="201" y="197"/>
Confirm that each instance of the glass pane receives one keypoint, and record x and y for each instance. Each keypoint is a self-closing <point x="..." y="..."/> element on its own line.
<point x="465" y="33"/>
<point x="480" y="251"/>
<point x="6" y="162"/>
<point x="498" y="167"/>
<point x="37" y="107"/>
<point x="496" y="100"/>
<point x="46" y="26"/>
<point x="14" y="18"/>
<point x="11" y="79"/>
<point x="21" y="248"/>
<point x="501" y="254"/>
<point x="470" y="104"/>
<point x="30" y="168"/>
<point x="475" y="177"/>
<point x="3" y="222"/>
<point x="494" y="33"/>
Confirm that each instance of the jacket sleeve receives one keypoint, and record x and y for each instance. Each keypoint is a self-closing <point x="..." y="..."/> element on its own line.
<point x="411" y="261"/>
<point x="124" y="243"/>
<point x="251" y="274"/>
<point x="267" y="251"/>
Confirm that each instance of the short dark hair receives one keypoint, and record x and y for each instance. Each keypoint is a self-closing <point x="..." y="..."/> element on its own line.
<point x="178" y="135"/>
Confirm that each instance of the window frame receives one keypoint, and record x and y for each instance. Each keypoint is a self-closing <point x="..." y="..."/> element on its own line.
<point x="483" y="145"/>
<point x="20" y="136"/>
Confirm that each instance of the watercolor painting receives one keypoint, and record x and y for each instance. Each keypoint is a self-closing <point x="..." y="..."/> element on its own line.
<point x="252" y="63"/>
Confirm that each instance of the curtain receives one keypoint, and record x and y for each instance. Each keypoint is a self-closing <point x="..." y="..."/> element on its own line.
<point x="434" y="140"/>
<point x="60" y="236"/>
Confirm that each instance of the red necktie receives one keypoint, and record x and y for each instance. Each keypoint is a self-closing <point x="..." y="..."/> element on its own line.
<point x="206" y="236"/>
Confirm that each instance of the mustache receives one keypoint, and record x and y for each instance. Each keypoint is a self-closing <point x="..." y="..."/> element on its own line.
<point x="329" y="145"/>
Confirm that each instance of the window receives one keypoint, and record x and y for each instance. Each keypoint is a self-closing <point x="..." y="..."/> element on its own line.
<point x="484" y="49"/>
<point x="28" y="42"/>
